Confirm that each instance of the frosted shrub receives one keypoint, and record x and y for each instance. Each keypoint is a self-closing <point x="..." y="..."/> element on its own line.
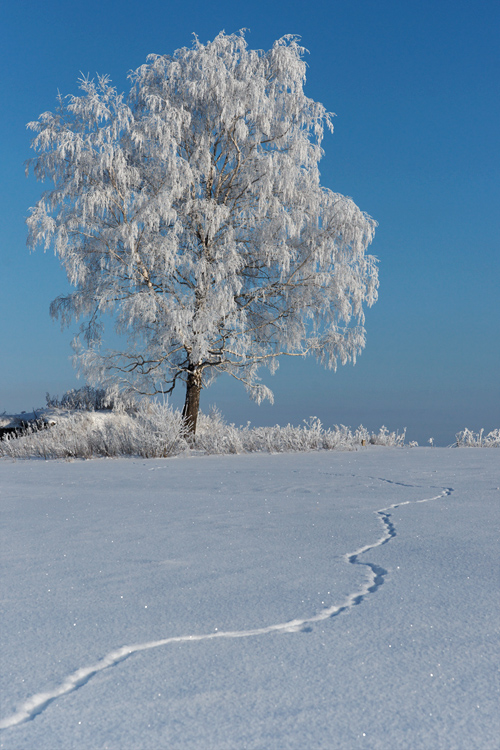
<point x="92" y="399"/>
<point x="469" y="439"/>
<point x="81" y="399"/>
<point x="155" y="430"/>
<point x="214" y="436"/>
<point x="385" y="437"/>
<point x="309" y="436"/>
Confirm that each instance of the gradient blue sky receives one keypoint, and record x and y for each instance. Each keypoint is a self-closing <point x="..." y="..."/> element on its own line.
<point x="415" y="87"/>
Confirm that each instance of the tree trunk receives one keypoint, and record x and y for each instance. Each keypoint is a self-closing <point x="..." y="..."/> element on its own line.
<point x="192" y="402"/>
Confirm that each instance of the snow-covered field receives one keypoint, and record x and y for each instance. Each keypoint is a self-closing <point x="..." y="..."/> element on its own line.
<point x="313" y="601"/>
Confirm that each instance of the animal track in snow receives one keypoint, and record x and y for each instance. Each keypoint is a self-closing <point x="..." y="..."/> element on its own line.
<point x="377" y="574"/>
<point x="35" y="705"/>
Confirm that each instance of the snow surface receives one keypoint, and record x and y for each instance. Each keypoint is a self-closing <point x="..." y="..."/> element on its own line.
<point x="268" y="602"/>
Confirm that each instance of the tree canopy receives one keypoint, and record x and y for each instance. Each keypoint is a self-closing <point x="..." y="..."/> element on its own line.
<point x="192" y="210"/>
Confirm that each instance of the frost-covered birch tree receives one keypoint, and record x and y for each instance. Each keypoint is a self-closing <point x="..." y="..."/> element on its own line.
<point x="192" y="210"/>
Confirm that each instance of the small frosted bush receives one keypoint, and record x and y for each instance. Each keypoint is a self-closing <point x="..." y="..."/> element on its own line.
<point x="469" y="439"/>
<point x="92" y="399"/>
<point x="384" y="437"/>
<point x="154" y="431"/>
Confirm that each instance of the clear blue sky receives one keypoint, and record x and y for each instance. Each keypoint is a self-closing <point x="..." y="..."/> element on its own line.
<point x="415" y="87"/>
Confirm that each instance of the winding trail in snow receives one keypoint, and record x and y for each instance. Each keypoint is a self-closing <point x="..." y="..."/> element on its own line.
<point x="35" y="705"/>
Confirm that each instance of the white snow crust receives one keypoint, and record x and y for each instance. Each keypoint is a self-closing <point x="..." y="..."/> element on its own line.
<point x="260" y="602"/>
